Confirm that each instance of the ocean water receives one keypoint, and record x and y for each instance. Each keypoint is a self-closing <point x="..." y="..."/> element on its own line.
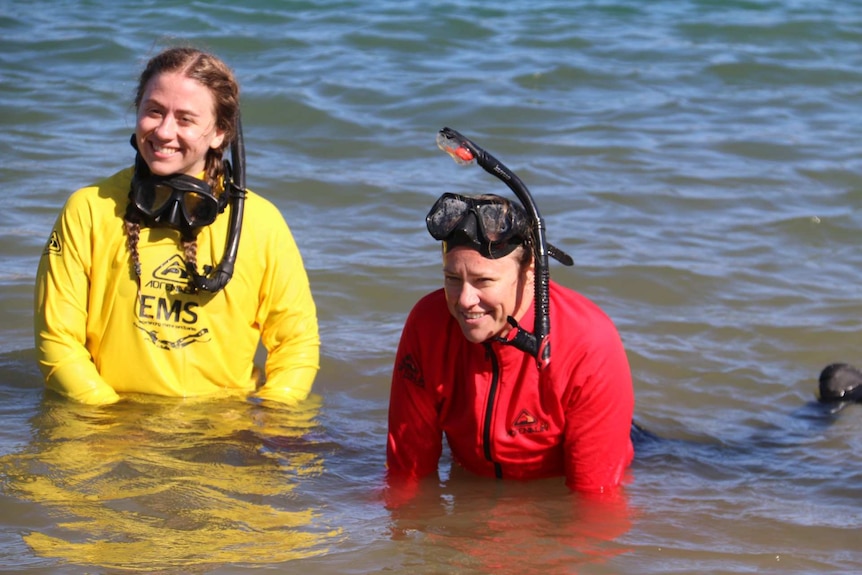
<point x="701" y="160"/>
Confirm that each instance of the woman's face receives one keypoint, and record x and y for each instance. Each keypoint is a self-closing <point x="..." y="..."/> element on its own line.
<point x="481" y="293"/>
<point x="176" y="125"/>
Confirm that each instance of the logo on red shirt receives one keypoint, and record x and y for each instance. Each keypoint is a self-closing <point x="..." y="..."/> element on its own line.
<point x="527" y="423"/>
<point x="409" y="371"/>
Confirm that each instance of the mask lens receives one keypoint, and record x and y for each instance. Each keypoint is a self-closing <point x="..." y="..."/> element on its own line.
<point x="152" y="200"/>
<point x="446" y="214"/>
<point x="199" y="209"/>
<point x="161" y="195"/>
<point x="495" y="220"/>
<point x="495" y="217"/>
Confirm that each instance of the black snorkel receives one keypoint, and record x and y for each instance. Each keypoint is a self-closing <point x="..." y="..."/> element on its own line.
<point x="235" y="188"/>
<point x="464" y="151"/>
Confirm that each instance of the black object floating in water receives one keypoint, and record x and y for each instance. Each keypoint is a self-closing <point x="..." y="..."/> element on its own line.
<point x="840" y="382"/>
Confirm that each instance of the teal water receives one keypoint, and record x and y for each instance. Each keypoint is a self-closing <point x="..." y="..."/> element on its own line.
<point x="700" y="160"/>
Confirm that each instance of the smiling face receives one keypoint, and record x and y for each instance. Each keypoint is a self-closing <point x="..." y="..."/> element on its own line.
<point x="481" y="293"/>
<point x="176" y="125"/>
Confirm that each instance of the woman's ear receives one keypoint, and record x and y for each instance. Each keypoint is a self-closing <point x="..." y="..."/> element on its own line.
<point x="218" y="139"/>
<point x="530" y="270"/>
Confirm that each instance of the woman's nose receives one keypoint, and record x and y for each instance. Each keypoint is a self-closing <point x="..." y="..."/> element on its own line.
<point x="166" y="128"/>
<point x="469" y="296"/>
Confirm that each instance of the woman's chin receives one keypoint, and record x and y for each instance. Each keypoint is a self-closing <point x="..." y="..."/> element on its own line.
<point x="475" y="334"/>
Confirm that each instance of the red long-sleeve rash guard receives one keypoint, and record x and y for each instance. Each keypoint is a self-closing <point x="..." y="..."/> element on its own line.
<point x="504" y="418"/>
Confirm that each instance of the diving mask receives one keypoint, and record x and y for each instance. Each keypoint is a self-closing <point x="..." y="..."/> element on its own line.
<point x="177" y="201"/>
<point x="491" y="225"/>
<point x="488" y="223"/>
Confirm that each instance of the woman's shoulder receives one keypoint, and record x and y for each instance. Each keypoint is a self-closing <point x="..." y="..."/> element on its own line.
<point x="430" y="310"/>
<point x="109" y="192"/>
<point x="434" y="333"/>
<point x="262" y="212"/>
<point x="118" y="181"/>
<point x="572" y="308"/>
<point x="255" y="201"/>
<point x="431" y="303"/>
<point x="569" y="302"/>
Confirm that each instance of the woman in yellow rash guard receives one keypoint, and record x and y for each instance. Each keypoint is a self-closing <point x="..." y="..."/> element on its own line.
<point x="125" y="296"/>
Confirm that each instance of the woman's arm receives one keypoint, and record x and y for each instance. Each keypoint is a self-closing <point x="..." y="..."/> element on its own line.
<point x="61" y="308"/>
<point x="290" y="330"/>
<point x="599" y="414"/>
<point x="415" y="438"/>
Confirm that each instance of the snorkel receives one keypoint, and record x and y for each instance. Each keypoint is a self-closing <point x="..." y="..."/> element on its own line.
<point x="235" y="188"/>
<point x="537" y="344"/>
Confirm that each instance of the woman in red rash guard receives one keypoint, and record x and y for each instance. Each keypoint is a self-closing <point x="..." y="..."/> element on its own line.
<point x="460" y="373"/>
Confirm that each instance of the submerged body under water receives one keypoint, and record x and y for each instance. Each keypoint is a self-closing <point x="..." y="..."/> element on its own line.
<point x="178" y="486"/>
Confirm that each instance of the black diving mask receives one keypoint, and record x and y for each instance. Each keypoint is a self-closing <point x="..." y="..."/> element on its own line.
<point x="178" y="201"/>
<point x="489" y="224"/>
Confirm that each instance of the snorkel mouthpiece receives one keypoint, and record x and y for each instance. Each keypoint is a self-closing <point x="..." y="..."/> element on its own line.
<point x="464" y="152"/>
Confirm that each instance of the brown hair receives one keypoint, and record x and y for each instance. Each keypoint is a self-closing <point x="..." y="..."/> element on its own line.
<point x="525" y="257"/>
<point x="215" y="75"/>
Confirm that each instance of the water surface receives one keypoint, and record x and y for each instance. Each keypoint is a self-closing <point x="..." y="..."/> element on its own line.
<point x="701" y="162"/>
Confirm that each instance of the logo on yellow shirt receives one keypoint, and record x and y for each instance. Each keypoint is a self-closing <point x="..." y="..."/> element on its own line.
<point x="53" y="247"/>
<point x="172" y="276"/>
<point x="153" y="336"/>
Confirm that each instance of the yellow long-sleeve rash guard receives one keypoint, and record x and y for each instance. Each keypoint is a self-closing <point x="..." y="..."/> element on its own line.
<point x="97" y="337"/>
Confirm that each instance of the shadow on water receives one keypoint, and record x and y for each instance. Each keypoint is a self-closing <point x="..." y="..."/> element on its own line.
<point x="150" y="484"/>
